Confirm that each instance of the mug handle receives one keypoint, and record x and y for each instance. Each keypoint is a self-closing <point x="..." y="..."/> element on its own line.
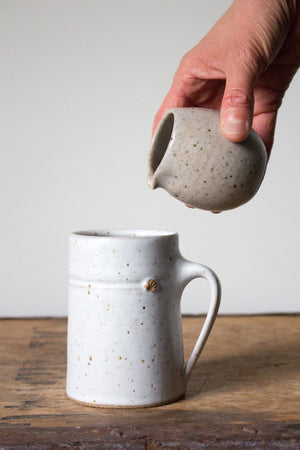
<point x="194" y="270"/>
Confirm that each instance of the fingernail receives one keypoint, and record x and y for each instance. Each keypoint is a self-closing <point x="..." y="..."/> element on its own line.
<point x="235" y="126"/>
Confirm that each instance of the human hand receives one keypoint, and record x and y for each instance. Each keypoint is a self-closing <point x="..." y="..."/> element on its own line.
<point x="242" y="67"/>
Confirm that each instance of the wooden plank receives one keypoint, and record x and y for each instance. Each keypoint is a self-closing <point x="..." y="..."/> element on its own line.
<point x="244" y="391"/>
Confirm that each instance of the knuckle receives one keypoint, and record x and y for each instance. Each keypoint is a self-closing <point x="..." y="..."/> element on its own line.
<point x="237" y="97"/>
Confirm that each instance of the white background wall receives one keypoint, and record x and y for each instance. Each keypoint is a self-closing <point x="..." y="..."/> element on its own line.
<point x="80" y="82"/>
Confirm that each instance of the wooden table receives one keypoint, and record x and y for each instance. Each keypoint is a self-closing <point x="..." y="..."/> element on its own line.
<point x="244" y="391"/>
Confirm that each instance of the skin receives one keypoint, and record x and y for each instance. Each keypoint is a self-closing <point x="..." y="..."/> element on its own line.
<point x="242" y="67"/>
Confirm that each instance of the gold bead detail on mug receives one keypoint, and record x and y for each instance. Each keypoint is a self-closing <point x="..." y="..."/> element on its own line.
<point x="151" y="285"/>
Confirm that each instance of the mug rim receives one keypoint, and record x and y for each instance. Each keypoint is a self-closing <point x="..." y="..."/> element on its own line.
<point x="123" y="233"/>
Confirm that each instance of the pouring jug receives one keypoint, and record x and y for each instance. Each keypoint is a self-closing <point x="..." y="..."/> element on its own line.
<point x="195" y="163"/>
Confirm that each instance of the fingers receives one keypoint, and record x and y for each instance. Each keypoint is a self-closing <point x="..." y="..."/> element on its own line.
<point x="264" y="124"/>
<point x="237" y="107"/>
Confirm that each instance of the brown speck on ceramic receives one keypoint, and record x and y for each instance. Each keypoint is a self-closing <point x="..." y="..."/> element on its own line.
<point x="89" y="285"/>
<point x="91" y="358"/>
<point x="151" y="285"/>
<point x="127" y="264"/>
<point x="120" y="357"/>
<point x="88" y="292"/>
<point x="143" y="360"/>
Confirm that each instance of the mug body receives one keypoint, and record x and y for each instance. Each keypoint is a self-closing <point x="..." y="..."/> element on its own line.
<point x="125" y="344"/>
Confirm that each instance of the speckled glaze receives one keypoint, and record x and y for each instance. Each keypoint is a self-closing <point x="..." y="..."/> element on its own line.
<point x="125" y="346"/>
<point x="194" y="162"/>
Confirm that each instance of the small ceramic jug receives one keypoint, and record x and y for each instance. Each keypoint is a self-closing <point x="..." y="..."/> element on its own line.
<point x="194" y="162"/>
<point x="125" y="344"/>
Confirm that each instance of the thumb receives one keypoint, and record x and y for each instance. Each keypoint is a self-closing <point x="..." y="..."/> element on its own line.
<point x="237" y="107"/>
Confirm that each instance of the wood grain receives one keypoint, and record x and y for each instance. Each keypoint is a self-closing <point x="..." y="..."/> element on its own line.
<point x="243" y="393"/>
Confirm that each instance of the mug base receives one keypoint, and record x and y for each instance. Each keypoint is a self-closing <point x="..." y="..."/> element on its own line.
<point x="108" y="406"/>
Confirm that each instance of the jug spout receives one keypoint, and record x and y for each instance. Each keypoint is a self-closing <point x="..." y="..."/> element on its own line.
<point x="151" y="180"/>
<point x="159" y="146"/>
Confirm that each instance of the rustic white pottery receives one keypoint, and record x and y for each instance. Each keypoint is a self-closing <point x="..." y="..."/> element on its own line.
<point x="194" y="162"/>
<point x="125" y="346"/>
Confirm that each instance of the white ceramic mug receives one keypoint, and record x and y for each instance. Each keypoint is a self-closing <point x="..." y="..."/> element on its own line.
<point x="125" y="344"/>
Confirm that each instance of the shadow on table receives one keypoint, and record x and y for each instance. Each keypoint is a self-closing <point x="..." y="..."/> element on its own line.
<point x="255" y="368"/>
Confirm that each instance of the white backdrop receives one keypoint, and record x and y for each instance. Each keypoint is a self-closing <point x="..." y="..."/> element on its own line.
<point x="80" y="82"/>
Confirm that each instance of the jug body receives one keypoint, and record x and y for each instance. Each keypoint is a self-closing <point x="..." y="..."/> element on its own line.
<point x="195" y="163"/>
